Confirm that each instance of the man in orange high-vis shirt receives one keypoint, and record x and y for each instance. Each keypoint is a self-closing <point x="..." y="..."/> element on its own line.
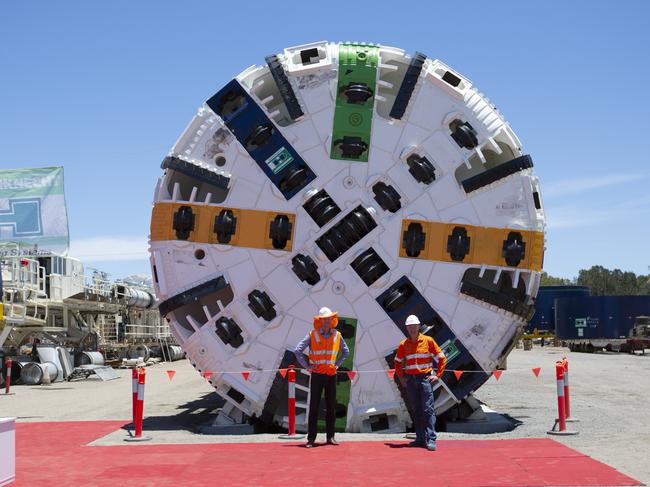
<point x="324" y="343"/>
<point x="414" y="367"/>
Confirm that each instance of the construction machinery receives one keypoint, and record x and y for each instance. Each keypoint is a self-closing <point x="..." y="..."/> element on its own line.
<point x="361" y="178"/>
<point x="49" y="301"/>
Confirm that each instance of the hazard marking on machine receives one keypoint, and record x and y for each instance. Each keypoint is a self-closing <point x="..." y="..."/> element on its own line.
<point x="469" y="244"/>
<point x="252" y="228"/>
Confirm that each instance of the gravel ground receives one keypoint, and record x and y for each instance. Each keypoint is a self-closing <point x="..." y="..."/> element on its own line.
<point x="610" y="395"/>
<point x="92" y="399"/>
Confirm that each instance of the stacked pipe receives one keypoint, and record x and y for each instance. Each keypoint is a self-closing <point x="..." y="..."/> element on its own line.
<point x="90" y="358"/>
<point x="16" y="369"/>
<point x="34" y="373"/>
<point x="170" y="353"/>
<point x="166" y="352"/>
<point x="174" y="352"/>
<point x="139" y="351"/>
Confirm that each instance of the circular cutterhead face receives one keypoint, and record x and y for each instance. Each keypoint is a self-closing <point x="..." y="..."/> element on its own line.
<point x="361" y="178"/>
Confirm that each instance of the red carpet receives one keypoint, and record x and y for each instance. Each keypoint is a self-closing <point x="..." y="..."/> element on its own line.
<point x="53" y="454"/>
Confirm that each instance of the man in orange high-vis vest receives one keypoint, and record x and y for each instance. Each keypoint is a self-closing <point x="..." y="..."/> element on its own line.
<point x="324" y="343"/>
<point x="414" y="360"/>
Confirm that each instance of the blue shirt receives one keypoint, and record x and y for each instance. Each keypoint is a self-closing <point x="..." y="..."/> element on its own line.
<point x="305" y="342"/>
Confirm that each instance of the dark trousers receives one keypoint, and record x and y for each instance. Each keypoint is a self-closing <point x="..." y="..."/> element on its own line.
<point x="318" y="383"/>
<point x="420" y="394"/>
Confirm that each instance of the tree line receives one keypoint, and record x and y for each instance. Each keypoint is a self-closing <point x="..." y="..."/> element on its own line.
<point x="604" y="282"/>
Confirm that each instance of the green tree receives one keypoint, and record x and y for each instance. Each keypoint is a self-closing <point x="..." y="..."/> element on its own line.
<point x="548" y="280"/>
<point x="606" y="282"/>
<point x="643" y="284"/>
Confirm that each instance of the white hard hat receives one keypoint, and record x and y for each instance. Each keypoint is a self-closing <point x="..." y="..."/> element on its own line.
<point x="412" y="320"/>
<point x="325" y="312"/>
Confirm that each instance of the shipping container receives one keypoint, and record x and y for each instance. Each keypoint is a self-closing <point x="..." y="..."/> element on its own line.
<point x="598" y="317"/>
<point x="544" y="318"/>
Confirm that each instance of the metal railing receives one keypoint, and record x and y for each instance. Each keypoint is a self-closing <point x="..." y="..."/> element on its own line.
<point x="148" y="327"/>
<point x="27" y="290"/>
<point x="23" y="273"/>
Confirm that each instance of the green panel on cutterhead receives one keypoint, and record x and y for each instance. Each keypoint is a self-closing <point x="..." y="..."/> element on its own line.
<point x="355" y="100"/>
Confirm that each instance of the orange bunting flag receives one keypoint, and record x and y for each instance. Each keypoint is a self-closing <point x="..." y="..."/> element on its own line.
<point x="171" y="374"/>
<point x="536" y="371"/>
<point x="207" y="375"/>
<point x="351" y="374"/>
<point x="245" y="374"/>
<point x="497" y="374"/>
<point x="391" y="373"/>
<point x="283" y="372"/>
<point x="458" y="373"/>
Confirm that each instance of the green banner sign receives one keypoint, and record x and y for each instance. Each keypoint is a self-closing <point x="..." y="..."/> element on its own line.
<point x="33" y="216"/>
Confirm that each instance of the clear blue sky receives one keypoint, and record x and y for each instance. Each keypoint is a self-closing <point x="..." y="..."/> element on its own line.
<point x="105" y="88"/>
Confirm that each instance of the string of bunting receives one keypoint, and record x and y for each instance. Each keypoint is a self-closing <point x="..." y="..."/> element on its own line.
<point x="353" y="373"/>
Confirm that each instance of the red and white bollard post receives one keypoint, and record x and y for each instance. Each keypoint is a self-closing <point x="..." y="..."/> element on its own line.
<point x="561" y="405"/>
<point x="139" y="410"/>
<point x="134" y="388"/>
<point x="8" y="377"/>
<point x="567" y="401"/>
<point x="291" y="406"/>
